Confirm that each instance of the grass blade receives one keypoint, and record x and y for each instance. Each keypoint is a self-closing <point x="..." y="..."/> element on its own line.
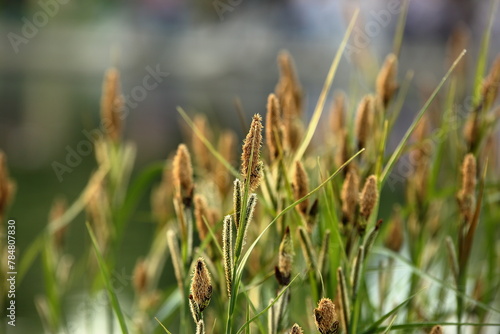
<point x="107" y="281"/>
<point x="318" y="110"/>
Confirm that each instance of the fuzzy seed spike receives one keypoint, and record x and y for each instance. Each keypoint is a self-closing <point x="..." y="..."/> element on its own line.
<point x="227" y="251"/>
<point x="386" y="83"/>
<point x="296" y="329"/>
<point x="337" y="113"/>
<point x="350" y="195"/>
<point x="201" y="153"/>
<point x="250" y="157"/>
<point x="201" y="285"/>
<point x="202" y="214"/>
<point x="111" y="104"/>
<point x="364" y="120"/>
<point x="369" y="197"/>
<point x="489" y="88"/>
<point x="325" y="317"/>
<point x="466" y="195"/>
<point x="285" y="259"/>
<point x="237" y="202"/>
<point x="182" y="172"/>
<point x="274" y="136"/>
<point x="301" y="187"/>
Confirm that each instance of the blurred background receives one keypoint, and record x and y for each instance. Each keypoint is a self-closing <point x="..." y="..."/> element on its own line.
<point x="207" y="54"/>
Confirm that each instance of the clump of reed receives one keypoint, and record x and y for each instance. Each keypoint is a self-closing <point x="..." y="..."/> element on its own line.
<point x="335" y="221"/>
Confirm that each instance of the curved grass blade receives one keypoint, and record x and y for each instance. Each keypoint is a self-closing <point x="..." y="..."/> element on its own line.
<point x="107" y="281"/>
<point x="165" y="328"/>
<point x="318" y="110"/>
<point x="399" y="149"/>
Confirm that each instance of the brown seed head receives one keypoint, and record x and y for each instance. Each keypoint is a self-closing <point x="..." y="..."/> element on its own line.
<point x="326" y="317"/>
<point x="57" y="211"/>
<point x="350" y="195"/>
<point x="285" y="259"/>
<point x="182" y="173"/>
<point x="386" y="83"/>
<point x="337" y="113"/>
<point x="274" y="136"/>
<point x="489" y="89"/>
<point x="436" y="330"/>
<point x="296" y="329"/>
<point x="369" y="197"/>
<point x="466" y="195"/>
<point x="300" y="187"/>
<point x="364" y="120"/>
<point x="201" y="285"/>
<point x="201" y="153"/>
<point x="140" y="277"/>
<point x="250" y="156"/>
<point x="202" y="213"/>
<point x="111" y="104"/>
<point x="7" y="186"/>
<point x="288" y="86"/>
<point x="395" y="238"/>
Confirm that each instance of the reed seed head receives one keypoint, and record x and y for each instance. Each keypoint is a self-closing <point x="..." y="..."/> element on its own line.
<point x="274" y="136"/>
<point x="466" y="195"/>
<point x="436" y="330"/>
<point x="285" y="259"/>
<point x="250" y="156"/>
<point x="395" y="238"/>
<point x="237" y="202"/>
<point x="182" y="172"/>
<point x="369" y="197"/>
<point x="337" y="113"/>
<point x="201" y="153"/>
<point x="7" y="186"/>
<point x="201" y="285"/>
<point x="386" y="83"/>
<point x="140" y="277"/>
<point x="227" y="252"/>
<point x="296" y="329"/>
<point x="325" y="317"/>
<point x="489" y="88"/>
<point x="350" y="195"/>
<point x="364" y="120"/>
<point x="226" y="147"/>
<point x="300" y="187"/>
<point x="202" y="214"/>
<point x="111" y="104"/>
<point x="57" y="210"/>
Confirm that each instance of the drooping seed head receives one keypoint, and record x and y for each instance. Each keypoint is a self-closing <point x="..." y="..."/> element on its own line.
<point x="364" y="117"/>
<point x="182" y="172"/>
<point x="250" y="156"/>
<point x="296" y="329"/>
<point x="350" y="195"/>
<point x="386" y="83"/>
<point x="300" y="187"/>
<point x="369" y="197"/>
<point x="285" y="259"/>
<point x="201" y="285"/>
<point x="111" y="104"/>
<point x="325" y="317"/>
